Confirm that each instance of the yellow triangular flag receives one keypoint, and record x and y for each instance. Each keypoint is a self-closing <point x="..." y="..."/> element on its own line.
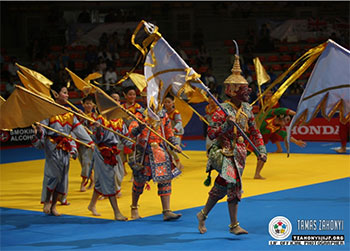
<point x="261" y="75"/>
<point x="107" y="107"/>
<point x="35" y="86"/>
<point x="186" y="113"/>
<point x="82" y="85"/>
<point x="139" y="80"/>
<point x="36" y="75"/>
<point x="24" y="107"/>
<point x="93" y="76"/>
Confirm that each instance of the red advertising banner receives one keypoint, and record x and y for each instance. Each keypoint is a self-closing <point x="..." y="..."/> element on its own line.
<point x="319" y="129"/>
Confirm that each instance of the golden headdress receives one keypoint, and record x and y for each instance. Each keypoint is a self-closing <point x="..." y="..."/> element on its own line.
<point x="236" y="77"/>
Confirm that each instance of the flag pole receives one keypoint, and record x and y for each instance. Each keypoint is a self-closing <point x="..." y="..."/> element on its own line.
<point x="138" y="120"/>
<point x="200" y="116"/>
<point x="75" y="113"/>
<point x="63" y="134"/>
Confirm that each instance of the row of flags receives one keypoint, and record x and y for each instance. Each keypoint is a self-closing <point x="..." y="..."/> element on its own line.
<point x="327" y="89"/>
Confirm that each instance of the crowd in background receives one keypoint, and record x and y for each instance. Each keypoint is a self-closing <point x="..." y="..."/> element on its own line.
<point x="114" y="55"/>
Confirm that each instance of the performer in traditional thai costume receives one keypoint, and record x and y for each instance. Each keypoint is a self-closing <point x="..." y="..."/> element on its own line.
<point x="130" y="104"/>
<point x="175" y="118"/>
<point x="151" y="160"/>
<point x="272" y="128"/>
<point x="228" y="152"/>
<point x="126" y="146"/>
<point x="58" y="149"/>
<point x="85" y="153"/>
<point x="105" y="162"/>
<point x="176" y="123"/>
<point x="209" y="111"/>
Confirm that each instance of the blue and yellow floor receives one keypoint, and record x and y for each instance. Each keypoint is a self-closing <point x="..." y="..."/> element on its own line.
<point x="312" y="184"/>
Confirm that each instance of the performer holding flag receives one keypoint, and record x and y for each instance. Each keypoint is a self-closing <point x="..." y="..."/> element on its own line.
<point x="227" y="153"/>
<point x="58" y="149"/>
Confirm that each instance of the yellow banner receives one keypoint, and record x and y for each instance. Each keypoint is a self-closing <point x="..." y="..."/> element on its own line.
<point x="186" y="113"/>
<point x="309" y="57"/>
<point x="24" y="107"/>
<point x="82" y="85"/>
<point x="35" y="86"/>
<point x="261" y="75"/>
<point x="139" y="80"/>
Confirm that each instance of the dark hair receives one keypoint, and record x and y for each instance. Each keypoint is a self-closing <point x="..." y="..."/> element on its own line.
<point x="128" y="88"/>
<point x="170" y="96"/>
<point x="88" y="98"/>
<point x="57" y="86"/>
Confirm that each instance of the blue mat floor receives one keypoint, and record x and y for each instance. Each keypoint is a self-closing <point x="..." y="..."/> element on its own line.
<point x="26" y="230"/>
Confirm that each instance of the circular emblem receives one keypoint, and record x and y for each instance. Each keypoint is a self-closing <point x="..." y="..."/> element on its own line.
<point x="280" y="228"/>
<point x="4" y="136"/>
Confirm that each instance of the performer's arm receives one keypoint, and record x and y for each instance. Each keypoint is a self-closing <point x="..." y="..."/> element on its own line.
<point x="80" y="132"/>
<point x="220" y="124"/>
<point x="256" y="137"/>
<point x="178" y="128"/>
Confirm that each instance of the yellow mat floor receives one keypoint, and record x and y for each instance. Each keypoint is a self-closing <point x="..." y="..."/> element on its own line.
<point x="20" y="183"/>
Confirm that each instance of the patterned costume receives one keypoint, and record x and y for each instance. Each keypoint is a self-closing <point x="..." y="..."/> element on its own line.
<point x="134" y="110"/>
<point x="208" y="115"/>
<point x="176" y="124"/>
<point x="125" y="145"/>
<point x="85" y="153"/>
<point x="269" y="130"/>
<point x="58" y="150"/>
<point x="228" y="152"/>
<point x="105" y="160"/>
<point x="151" y="158"/>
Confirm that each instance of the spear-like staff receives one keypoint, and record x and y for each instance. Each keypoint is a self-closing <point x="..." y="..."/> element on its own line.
<point x="63" y="134"/>
<point x="137" y="119"/>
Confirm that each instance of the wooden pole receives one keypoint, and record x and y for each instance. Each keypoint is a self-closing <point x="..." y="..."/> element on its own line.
<point x="138" y="120"/>
<point x="63" y="134"/>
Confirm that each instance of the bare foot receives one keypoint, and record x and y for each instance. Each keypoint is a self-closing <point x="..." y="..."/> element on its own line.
<point x="82" y="188"/>
<point x="47" y="208"/>
<point x="259" y="177"/>
<point x="135" y="214"/>
<point x="55" y="212"/>
<point x="201" y="223"/>
<point x="238" y="230"/>
<point x="341" y="150"/>
<point x="93" y="211"/>
<point x="169" y="215"/>
<point x="120" y="217"/>
<point x="91" y="184"/>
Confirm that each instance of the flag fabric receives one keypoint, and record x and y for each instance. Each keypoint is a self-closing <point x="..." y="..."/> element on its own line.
<point x="93" y="76"/>
<point x="306" y="61"/>
<point x="23" y="108"/>
<point x="261" y="75"/>
<point x="185" y="111"/>
<point x="82" y="85"/>
<point x="36" y="75"/>
<point x="165" y="72"/>
<point x="139" y="80"/>
<point x="107" y="106"/>
<point x="328" y="88"/>
<point x="35" y="81"/>
<point x="2" y="100"/>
